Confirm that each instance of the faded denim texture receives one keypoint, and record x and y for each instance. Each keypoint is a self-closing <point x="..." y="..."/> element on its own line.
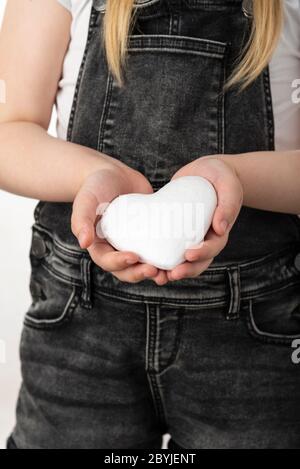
<point x="112" y="365"/>
<point x="104" y="369"/>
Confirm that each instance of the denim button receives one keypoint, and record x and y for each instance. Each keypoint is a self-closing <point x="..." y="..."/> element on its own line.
<point x="297" y="262"/>
<point x="99" y="5"/>
<point x="39" y="248"/>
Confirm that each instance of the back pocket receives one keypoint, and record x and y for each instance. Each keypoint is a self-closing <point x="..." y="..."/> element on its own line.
<point x="170" y="110"/>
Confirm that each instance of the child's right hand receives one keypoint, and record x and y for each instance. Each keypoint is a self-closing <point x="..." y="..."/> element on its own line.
<point x="101" y="187"/>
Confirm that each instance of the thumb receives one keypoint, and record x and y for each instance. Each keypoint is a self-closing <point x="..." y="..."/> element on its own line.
<point x="228" y="208"/>
<point x="83" y="219"/>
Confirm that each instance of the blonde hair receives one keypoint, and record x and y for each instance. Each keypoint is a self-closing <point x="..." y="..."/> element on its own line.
<point x="265" y="32"/>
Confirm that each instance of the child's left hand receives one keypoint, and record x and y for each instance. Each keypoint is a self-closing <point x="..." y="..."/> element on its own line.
<point x="230" y="198"/>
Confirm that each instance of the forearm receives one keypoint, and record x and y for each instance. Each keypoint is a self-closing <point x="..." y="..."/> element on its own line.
<point x="34" y="164"/>
<point x="270" y="179"/>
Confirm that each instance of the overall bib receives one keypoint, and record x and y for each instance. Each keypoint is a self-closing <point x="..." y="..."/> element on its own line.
<point x="211" y="360"/>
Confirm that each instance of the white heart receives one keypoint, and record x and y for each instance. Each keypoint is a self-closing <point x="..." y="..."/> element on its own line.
<point x="160" y="227"/>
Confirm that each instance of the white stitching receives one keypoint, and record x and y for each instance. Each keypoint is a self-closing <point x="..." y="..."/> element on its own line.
<point x="69" y="305"/>
<point x="267" y="335"/>
<point x="178" y="51"/>
<point x="180" y="38"/>
<point x="108" y="86"/>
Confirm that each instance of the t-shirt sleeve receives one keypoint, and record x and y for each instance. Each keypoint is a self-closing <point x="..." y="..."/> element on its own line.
<point x="66" y="3"/>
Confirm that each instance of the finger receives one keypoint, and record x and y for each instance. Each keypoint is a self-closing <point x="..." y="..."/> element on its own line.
<point x="136" y="273"/>
<point x="161" y="278"/>
<point x="83" y="217"/>
<point x="230" y="198"/>
<point x="110" y="260"/>
<point x="189" y="270"/>
<point x="209" y="248"/>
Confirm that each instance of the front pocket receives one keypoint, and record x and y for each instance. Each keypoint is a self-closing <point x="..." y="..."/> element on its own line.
<point x="53" y="301"/>
<point x="275" y="318"/>
<point x="170" y="110"/>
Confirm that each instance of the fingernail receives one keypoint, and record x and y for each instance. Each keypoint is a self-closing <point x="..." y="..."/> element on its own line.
<point x="131" y="261"/>
<point x="224" y="225"/>
<point x="82" y="236"/>
<point x="193" y="258"/>
<point x="196" y="247"/>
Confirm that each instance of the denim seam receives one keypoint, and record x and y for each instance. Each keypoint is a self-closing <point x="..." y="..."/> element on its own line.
<point x="158" y="300"/>
<point x="78" y="253"/>
<point x="61" y="276"/>
<point x="177" y="51"/>
<point x="65" y="316"/>
<point x="222" y="142"/>
<point x="86" y="280"/>
<point x="184" y="41"/>
<point x="220" y="109"/>
<point x="254" y="294"/>
<point x="267" y="336"/>
<point x="175" y="353"/>
<point x="269" y="108"/>
<point x="152" y="347"/>
<point x="106" y="106"/>
<point x="80" y="75"/>
<point x="66" y="252"/>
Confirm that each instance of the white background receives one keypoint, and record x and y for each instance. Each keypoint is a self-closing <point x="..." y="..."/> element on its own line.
<point x="16" y="218"/>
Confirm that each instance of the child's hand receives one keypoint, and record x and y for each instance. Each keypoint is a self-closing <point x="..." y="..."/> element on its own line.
<point x="102" y="187"/>
<point x="230" y="198"/>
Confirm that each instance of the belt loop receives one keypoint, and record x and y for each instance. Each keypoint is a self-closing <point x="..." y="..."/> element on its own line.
<point x="235" y="292"/>
<point x="86" y="264"/>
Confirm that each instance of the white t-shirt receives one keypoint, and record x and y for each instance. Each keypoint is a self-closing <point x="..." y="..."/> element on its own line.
<point x="284" y="71"/>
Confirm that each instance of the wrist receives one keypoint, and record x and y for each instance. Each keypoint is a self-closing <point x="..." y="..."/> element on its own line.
<point x="119" y="176"/>
<point x="232" y="161"/>
<point x="93" y="161"/>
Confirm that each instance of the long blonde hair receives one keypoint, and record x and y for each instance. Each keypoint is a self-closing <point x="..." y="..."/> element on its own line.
<point x="265" y="32"/>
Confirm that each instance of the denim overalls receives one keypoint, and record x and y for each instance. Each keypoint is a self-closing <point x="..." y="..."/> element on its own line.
<point x="212" y="360"/>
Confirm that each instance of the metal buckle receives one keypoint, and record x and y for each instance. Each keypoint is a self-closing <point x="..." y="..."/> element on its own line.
<point x="248" y="8"/>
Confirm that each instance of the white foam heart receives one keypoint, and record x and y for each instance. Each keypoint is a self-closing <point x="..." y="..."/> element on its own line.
<point x="160" y="227"/>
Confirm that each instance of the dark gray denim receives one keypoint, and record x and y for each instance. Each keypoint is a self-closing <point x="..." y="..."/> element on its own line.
<point x="112" y="365"/>
<point x="107" y="369"/>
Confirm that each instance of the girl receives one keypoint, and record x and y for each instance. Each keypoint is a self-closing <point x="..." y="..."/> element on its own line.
<point x="114" y="352"/>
